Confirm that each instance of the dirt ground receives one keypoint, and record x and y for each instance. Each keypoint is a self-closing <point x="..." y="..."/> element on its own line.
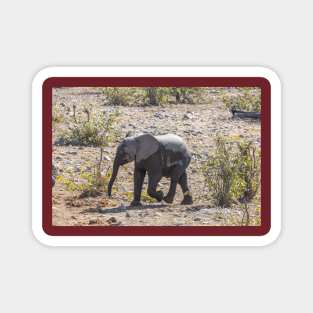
<point x="197" y="124"/>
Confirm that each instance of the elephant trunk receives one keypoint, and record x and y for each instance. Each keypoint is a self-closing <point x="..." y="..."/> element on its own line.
<point x="116" y="166"/>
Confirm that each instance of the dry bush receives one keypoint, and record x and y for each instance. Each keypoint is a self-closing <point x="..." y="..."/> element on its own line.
<point x="95" y="130"/>
<point x="120" y="96"/>
<point x="57" y="116"/>
<point x="192" y="95"/>
<point x="90" y="182"/>
<point x="247" y="99"/>
<point x="232" y="173"/>
<point x="131" y="96"/>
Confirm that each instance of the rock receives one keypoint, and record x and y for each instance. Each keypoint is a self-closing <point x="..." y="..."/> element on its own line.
<point x="72" y="152"/>
<point x="105" y="157"/>
<point x="206" y="211"/>
<point x="59" y="142"/>
<point x="54" y="170"/>
<point x="93" y="221"/>
<point x="178" y="222"/>
<point x="127" y="214"/>
<point x="197" y="219"/>
<point x="158" y="115"/>
<point x="187" y="116"/>
<point x="112" y="220"/>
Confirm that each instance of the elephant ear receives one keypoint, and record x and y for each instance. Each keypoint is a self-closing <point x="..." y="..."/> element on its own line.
<point x="146" y="146"/>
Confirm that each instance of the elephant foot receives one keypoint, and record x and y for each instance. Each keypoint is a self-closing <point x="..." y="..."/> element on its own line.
<point x="158" y="195"/>
<point x="187" y="200"/>
<point x="168" y="199"/>
<point x="135" y="203"/>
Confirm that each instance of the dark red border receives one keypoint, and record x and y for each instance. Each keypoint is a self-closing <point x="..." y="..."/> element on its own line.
<point x="156" y="230"/>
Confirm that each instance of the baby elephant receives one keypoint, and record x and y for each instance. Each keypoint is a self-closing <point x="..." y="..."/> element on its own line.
<point x="158" y="156"/>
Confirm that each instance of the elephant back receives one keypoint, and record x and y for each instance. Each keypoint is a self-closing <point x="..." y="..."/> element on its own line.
<point x="172" y="142"/>
<point x="174" y="150"/>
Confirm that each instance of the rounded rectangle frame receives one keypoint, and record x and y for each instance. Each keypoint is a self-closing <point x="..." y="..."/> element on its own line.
<point x="261" y="77"/>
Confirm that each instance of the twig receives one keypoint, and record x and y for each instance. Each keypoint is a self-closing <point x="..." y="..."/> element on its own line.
<point x="74" y="113"/>
<point x="245" y="213"/>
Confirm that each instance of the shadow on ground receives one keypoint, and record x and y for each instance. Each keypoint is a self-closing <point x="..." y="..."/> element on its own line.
<point x="123" y="208"/>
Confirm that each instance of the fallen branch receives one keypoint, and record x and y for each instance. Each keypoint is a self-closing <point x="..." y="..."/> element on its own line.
<point x="245" y="114"/>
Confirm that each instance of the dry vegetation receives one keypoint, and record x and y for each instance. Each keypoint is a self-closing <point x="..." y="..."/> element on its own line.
<point x="224" y="174"/>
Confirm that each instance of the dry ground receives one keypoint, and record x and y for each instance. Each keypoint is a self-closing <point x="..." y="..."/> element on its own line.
<point x="196" y="124"/>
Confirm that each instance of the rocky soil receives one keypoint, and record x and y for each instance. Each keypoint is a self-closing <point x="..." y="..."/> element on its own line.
<point x="197" y="124"/>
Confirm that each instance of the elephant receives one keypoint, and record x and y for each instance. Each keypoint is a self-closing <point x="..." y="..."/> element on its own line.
<point x="158" y="156"/>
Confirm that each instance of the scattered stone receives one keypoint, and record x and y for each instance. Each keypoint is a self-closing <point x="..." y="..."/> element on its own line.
<point x="112" y="220"/>
<point x="197" y="219"/>
<point x="158" y="115"/>
<point x="187" y="116"/>
<point x="206" y="211"/>
<point x="93" y="221"/>
<point x="105" y="157"/>
<point x="127" y="214"/>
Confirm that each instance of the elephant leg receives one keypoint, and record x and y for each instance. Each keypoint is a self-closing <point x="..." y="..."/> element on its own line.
<point x="169" y="198"/>
<point x="184" y="186"/>
<point x="176" y="173"/>
<point x="153" y="181"/>
<point x="139" y="176"/>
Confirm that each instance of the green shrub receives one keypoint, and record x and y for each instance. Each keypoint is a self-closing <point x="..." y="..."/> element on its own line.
<point x="57" y="116"/>
<point x="248" y="99"/>
<point x="123" y="96"/>
<point x="232" y="173"/>
<point x="96" y="130"/>
<point x="189" y="95"/>
<point x="247" y="174"/>
<point x="90" y="182"/>
<point x="128" y="96"/>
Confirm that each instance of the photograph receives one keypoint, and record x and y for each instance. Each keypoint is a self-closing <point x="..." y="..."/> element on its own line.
<point x="156" y="156"/>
